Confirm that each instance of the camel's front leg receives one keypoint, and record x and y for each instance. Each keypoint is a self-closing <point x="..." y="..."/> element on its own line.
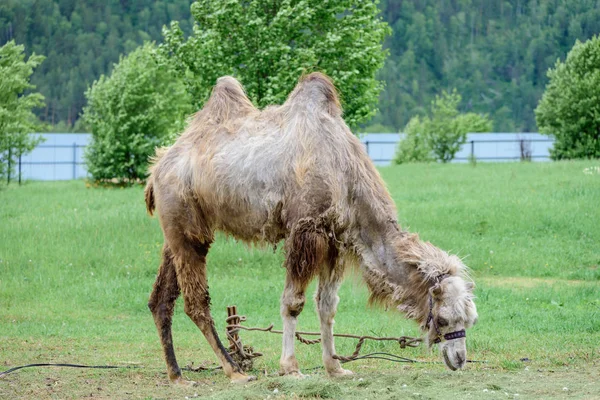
<point x="292" y="303"/>
<point x="327" y="301"/>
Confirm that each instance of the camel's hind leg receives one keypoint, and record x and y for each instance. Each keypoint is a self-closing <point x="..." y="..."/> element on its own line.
<point x="327" y="301"/>
<point x="190" y="262"/>
<point x="161" y="303"/>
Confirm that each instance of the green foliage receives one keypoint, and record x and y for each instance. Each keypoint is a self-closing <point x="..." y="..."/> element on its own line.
<point x="268" y="45"/>
<point x="414" y="146"/>
<point x="17" y="120"/>
<point x="440" y="135"/>
<point x="82" y="40"/>
<point x="130" y="113"/>
<point x="570" y="107"/>
<point x="496" y="53"/>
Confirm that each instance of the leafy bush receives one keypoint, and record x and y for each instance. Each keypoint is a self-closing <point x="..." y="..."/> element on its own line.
<point x="440" y="135"/>
<point x="570" y="107"/>
<point x="267" y="45"/>
<point x="414" y="146"/>
<point x="17" y="120"/>
<point x="130" y="113"/>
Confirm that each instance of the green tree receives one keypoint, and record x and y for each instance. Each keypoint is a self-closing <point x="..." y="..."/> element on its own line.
<point x="130" y="113"/>
<point x="268" y="45"/>
<point x="17" y="120"/>
<point x="570" y="107"/>
<point x="440" y="135"/>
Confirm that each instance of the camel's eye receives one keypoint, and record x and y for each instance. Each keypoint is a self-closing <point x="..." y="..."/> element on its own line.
<point x="442" y="321"/>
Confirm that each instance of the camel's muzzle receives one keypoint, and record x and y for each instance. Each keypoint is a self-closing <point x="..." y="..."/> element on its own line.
<point x="454" y="359"/>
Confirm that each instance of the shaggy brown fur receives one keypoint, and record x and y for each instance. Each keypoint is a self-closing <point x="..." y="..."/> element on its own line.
<point x="293" y="172"/>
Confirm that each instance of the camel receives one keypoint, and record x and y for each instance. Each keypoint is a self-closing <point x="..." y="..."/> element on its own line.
<point x="293" y="173"/>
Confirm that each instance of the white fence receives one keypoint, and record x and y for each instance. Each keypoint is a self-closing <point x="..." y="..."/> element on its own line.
<point x="60" y="157"/>
<point x="483" y="146"/>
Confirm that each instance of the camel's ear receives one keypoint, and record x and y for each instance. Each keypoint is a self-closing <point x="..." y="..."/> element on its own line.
<point x="470" y="286"/>
<point x="436" y="290"/>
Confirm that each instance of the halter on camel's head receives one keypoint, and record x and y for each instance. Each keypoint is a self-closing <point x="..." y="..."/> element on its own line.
<point x="450" y="311"/>
<point x="449" y="308"/>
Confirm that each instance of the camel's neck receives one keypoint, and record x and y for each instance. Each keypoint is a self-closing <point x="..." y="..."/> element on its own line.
<point x="399" y="269"/>
<point x="380" y="252"/>
<point x="377" y="233"/>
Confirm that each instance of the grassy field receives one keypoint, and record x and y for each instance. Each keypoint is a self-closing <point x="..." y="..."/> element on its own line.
<point x="77" y="265"/>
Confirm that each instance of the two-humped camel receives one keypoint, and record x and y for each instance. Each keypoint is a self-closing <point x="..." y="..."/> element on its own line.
<point x="295" y="173"/>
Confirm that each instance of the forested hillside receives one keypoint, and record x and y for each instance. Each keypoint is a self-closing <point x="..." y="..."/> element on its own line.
<point x="494" y="52"/>
<point x="82" y="40"/>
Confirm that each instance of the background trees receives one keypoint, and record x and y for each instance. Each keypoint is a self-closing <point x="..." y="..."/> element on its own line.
<point x="267" y="45"/>
<point x="82" y="40"/>
<point x="496" y="53"/>
<point x="131" y="112"/>
<point x="16" y="116"/>
<point x="570" y="107"/>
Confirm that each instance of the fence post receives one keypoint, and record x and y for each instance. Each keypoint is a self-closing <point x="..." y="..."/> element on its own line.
<point x="9" y="166"/>
<point x="472" y="149"/>
<point x="367" y="146"/>
<point x="20" y="155"/>
<point x="74" y="161"/>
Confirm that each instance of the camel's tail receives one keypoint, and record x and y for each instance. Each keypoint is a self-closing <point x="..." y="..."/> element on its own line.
<point x="149" y="196"/>
<point x="149" y="191"/>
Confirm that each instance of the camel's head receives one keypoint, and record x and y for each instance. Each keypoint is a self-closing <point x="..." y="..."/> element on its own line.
<point x="451" y="311"/>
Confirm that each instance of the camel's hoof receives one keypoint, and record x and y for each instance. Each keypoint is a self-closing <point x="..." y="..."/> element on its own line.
<point x="294" y="374"/>
<point x="182" y="382"/>
<point x="241" y="378"/>
<point x="340" y="373"/>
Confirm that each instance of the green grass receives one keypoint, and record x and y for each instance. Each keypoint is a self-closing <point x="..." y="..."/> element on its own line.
<point x="77" y="265"/>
